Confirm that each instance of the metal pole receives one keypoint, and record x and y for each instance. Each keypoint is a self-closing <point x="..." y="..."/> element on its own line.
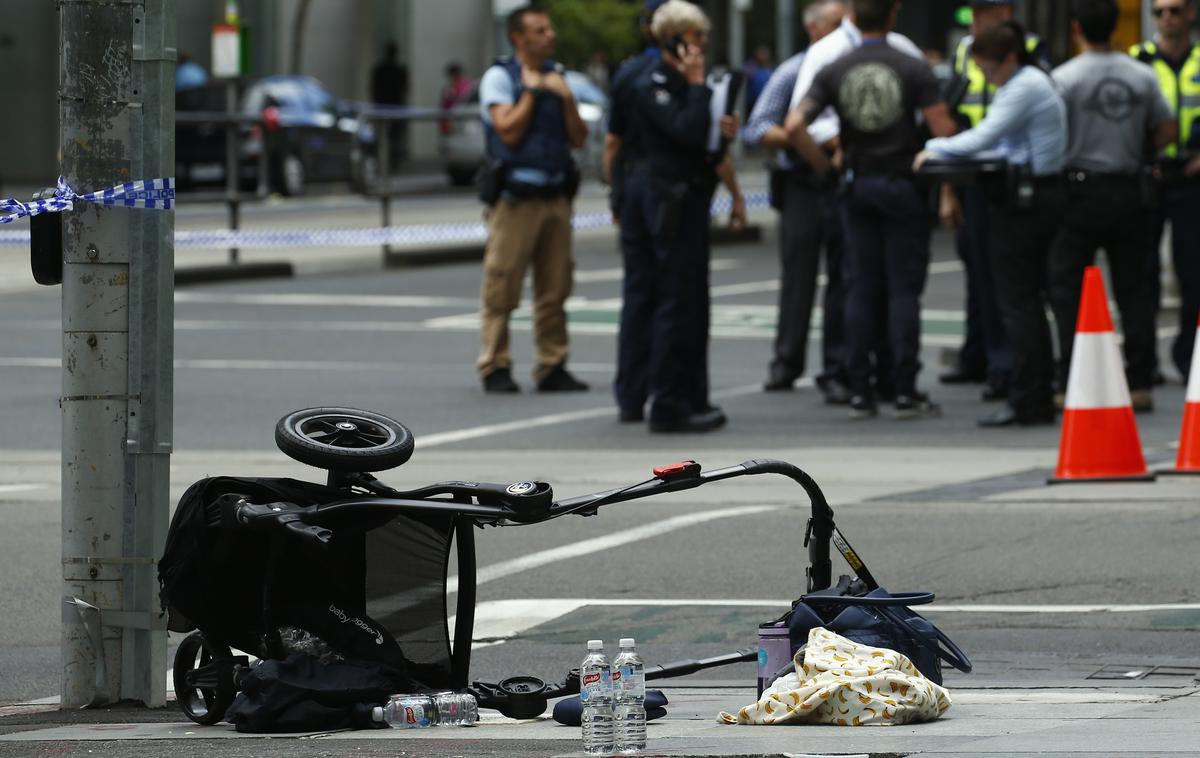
<point x="785" y="26"/>
<point x="117" y="124"/>
<point x="232" y="178"/>
<point x="383" y="131"/>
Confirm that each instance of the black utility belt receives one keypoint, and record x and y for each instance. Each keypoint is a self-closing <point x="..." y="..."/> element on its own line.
<point x="1084" y="176"/>
<point x="535" y="191"/>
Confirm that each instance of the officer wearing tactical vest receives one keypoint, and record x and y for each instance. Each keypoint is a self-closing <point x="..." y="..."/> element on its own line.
<point x="1175" y="58"/>
<point x="532" y="123"/>
<point x="986" y="355"/>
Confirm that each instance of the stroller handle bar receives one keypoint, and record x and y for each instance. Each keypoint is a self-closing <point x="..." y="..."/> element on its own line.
<point x="532" y="502"/>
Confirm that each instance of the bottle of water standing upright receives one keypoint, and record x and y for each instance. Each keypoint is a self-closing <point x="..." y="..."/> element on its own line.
<point x="595" y="695"/>
<point x="629" y="698"/>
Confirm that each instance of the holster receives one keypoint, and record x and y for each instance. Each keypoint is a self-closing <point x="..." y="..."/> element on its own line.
<point x="491" y="181"/>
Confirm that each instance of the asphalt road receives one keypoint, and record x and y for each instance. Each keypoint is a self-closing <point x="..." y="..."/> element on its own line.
<point x="935" y="504"/>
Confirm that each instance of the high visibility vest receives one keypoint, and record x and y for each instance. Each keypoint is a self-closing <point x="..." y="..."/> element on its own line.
<point x="974" y="105"/>
<point x="1182" y="91"/>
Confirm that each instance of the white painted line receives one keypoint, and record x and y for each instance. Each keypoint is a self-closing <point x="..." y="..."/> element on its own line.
<point x="7" y="488"/>
<point x="438" y="439"/>
<point x="592" y="276"/>
<point x="606" y="542"/>
<point x="231" y="364"/>
<point x="499" y="620"/>
<point x="331" y="301"/>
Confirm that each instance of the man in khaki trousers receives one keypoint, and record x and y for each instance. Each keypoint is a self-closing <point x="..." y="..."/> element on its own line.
<point x="532" y="123"/>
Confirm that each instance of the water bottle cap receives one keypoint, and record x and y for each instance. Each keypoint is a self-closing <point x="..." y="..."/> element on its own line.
<point x="377" y="714"/>
<point x="627" y="642"/>
<point x="595" y="645"/>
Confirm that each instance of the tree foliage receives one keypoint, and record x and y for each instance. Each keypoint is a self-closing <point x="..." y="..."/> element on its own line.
<point x="585" y="26"/>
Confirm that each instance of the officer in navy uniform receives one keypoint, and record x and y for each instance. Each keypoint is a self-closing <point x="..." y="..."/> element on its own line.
<point x="531" y="123"/>
<point x="665" y="221"/>
<point x="986" y="355"/>
<point x="624" y="164"/>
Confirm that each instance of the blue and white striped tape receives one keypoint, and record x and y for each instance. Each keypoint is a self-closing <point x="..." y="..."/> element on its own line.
<point x="155" y="194"/>
<point x="397" y="236"/>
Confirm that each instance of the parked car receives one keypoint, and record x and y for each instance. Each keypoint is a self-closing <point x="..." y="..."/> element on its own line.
<point x="307" y="133"/>
<point x="463" y="145"/>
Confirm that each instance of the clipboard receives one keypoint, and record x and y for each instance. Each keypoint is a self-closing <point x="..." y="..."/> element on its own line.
<point x="726" y="87"/>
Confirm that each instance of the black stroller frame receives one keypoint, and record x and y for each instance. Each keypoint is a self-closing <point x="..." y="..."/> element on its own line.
<point x="349" y="442"/>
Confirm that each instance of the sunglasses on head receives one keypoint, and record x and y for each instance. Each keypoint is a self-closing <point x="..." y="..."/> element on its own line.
<point x="1168" y="10"/>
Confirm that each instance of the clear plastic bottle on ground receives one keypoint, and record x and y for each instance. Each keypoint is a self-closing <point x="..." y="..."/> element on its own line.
<point x="629" y="698"/>
<point x="421" y="711"/>
<point x="595" y="695"/>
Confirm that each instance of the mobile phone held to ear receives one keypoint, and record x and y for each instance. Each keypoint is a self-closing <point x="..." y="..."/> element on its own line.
<point x="678" y="46"/>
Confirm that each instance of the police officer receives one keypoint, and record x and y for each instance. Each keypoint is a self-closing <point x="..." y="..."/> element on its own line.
<point x="876" y="91"/>
<point x="624" y="163"/>
<point x="985" y="355"/>
<point x="1175" y="58"/>
<point x="1114" y="109"/>
<point x="532" y="123"/>
<point x="1027" y="123"/>
<point x="808" y="221"/>
<point x="665" y="222"/>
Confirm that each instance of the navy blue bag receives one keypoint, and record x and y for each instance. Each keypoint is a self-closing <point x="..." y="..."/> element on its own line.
<point x="877" y="618"/>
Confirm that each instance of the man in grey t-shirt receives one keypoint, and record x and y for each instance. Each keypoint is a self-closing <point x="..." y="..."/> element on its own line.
<point x="1115" y="111"/>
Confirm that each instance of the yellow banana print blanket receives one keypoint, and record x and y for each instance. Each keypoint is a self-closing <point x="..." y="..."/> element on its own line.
<point x="841" y="682"/>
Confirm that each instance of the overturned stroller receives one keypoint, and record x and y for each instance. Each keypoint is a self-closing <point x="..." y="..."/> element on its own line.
<point x="361" y="569"/>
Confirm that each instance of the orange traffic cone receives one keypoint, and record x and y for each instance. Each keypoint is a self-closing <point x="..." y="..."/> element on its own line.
<point x="1099" y="435"/>
<point x="1188" y="461"/>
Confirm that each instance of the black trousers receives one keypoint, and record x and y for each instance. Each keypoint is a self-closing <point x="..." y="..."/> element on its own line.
<point x="886" y="264"/>
<point x="1107" y="213"/>
<point x="663" y="343"/>
<point x="985" y="350"/>
<point x="1179" y="206"/>
<point x="809" y="220"/>
<point x="1021" y="239"/>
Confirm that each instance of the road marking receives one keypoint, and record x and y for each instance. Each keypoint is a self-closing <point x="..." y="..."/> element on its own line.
<point x="500" y="620"/>
<point x="592" y="276"/>
<point x="9" y="488"/>
<point x="333" y="301"/>
<point x="438" y="439"/>
<point x="605" y="542"/>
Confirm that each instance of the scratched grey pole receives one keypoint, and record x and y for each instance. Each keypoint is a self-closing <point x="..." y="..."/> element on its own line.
<point x="117" y="124"/>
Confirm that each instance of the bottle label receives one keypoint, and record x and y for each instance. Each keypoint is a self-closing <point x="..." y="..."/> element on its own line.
<point x="415" y="716"/>
<point x="594" y="684"/>
<point x="628" y="676"/>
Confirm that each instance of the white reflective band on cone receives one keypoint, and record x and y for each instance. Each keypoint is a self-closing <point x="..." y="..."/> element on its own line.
<point x="1097" y="373"/>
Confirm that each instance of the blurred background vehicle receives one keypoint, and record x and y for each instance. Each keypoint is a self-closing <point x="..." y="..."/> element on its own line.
<point x="307" y="133"/>
<point x="462" y="145"/>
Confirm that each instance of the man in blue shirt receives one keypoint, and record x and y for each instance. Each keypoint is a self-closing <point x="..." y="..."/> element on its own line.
<point x="808" y="220"/>
<point x="1027" y="123"/>
<point x="532" y="123"/>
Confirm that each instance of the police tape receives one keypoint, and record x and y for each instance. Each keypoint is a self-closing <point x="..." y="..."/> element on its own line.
<point x="153" y="194"/>
<point x="398" y="236"/>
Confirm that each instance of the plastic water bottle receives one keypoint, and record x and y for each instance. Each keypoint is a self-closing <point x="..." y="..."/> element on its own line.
<point x="629" y="698"/>
<point x="422" y="711"/>
<point x="595" y="694"/>
<point x="456" y="708"/>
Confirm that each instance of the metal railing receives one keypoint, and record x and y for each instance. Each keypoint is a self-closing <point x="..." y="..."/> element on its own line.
<point x="381" y="186"/>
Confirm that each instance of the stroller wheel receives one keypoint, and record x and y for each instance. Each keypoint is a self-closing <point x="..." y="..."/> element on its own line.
<point x="203" y="675"/>
<point x="344" y="439"/>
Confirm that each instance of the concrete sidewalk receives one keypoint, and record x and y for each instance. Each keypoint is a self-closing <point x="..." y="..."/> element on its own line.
<point x="1058" y="712"/>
